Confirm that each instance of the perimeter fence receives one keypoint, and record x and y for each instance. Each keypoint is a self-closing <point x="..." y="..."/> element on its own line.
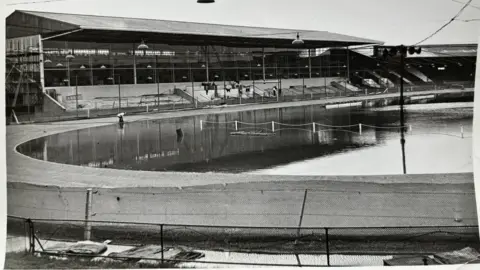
<point x="153" y="103"/>
<point x="325" y="246"/>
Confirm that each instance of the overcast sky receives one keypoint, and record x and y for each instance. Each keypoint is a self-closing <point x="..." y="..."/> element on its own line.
<point x="391" y="21"/>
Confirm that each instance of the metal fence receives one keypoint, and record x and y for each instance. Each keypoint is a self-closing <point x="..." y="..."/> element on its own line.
<point x="151" y="104"/>
<point x="324" y="242"/>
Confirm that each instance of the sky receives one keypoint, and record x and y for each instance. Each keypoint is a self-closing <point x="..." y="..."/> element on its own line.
<point x="391" y="21"/>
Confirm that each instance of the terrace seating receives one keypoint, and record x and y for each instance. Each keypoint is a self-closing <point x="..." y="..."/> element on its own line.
<point x="342" y="86"/>
<point x="418" y="74"/>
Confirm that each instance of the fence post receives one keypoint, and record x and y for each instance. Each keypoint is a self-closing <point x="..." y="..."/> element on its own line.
<point x="410" y="128"/>
<point x="273" y="126"/>
<point x="301" y="214"/>
<point x="236" y="125"/>
<point x="88" y="211"/>
<point x="26" y="227"/>
<point x="88" y="113"/>
<point x="360" y="128"/>
<point x="313" y="127"/>
<point x="161" y="241"/>
<point x="201" y="124"/>
<point x="31" y="236"/>
<point x="327" y="246"/>
<point x="461" y="130"/>
<point x="147" y="107"/>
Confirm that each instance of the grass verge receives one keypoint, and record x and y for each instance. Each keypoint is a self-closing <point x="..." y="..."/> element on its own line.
<point x="21" y="260"/>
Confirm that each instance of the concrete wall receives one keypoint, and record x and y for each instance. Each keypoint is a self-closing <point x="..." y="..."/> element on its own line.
<point x="132" y="90"/>
<point x="256" y="204"/>
<point x="126" y="90"/>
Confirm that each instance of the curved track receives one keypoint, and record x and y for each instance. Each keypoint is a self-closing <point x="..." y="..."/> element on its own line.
<point x="39" y="189"/>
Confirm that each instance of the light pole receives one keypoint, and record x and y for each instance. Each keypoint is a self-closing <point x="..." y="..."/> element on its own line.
<point x="393" y="52"/>
<point x="298" y="42"/>
<point x="403" y="51"/>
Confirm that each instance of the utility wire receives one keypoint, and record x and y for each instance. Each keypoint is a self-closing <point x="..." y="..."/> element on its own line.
<point x="460" y="2"/>
<point x="446" y="24"/>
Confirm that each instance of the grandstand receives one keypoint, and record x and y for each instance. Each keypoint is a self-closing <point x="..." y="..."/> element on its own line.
<point x="62" y="62"/>
<point x="437" y="65"/>
<point x="52" y="57"/>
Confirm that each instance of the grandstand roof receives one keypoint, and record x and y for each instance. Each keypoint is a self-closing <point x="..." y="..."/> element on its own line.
<point x="132" y="30"/>
<point x="447" y="50"/>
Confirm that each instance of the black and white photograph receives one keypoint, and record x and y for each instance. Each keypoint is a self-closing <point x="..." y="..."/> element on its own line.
<point x="240" y="133"/>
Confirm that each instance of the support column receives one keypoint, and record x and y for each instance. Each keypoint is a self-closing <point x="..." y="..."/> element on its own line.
<point x="172" y="65"/>
<point x="236" y="65"/>
<point x="112" y="62"/>
<point x="309" y="64"/>
<point x="348" y="64"/>
<point x="156" y="82"/>
<point x="263" y="64"/>
<point x="134" y="65"/>
<point x="207" y="60"/>
<point x="90" y="65"/>
<point x="41" y="65"/>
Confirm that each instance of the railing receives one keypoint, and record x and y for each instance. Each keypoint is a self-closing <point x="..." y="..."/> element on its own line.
<point x="287" y="96"/>
<point x="327" y="245"/>
<point x="359" y="128"/>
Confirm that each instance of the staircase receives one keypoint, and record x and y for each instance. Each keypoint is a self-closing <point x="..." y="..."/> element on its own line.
<point x="385" y="82"/>
<point x="345" y="87"/>
<point x="417" y="73"/>
<point x="404" y="79"/>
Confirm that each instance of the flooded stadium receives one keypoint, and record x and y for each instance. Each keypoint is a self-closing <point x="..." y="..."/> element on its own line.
<point x="438" y="140"/>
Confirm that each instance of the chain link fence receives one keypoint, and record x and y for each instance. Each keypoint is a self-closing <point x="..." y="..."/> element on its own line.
<point x="325" y="242"/>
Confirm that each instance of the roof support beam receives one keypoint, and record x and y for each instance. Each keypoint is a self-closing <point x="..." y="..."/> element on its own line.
<point x="63" y="34"/>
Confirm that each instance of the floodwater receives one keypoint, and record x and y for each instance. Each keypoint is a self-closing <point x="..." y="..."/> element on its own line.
<point x="433" y="134"/>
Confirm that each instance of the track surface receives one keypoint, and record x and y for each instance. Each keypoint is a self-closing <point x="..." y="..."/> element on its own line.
<point x="226" y="199"/>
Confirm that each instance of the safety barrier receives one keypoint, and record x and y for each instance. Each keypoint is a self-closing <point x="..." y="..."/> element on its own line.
<point x="324" y="243"/>
<point x="274" y="126"/>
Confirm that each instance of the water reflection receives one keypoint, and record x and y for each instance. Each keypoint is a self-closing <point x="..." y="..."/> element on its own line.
<point x="182" y="145"/>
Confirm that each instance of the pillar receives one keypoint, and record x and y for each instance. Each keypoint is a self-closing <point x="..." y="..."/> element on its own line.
<point x="134" y="64"/>
<point x="309" y="64"/>
<point x="263" y="64"/>
<point x="41" y="64"/>
<point x="207" y="60"/>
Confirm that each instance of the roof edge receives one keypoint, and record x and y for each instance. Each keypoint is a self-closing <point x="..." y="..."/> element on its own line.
<point x="360" y="40"/>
